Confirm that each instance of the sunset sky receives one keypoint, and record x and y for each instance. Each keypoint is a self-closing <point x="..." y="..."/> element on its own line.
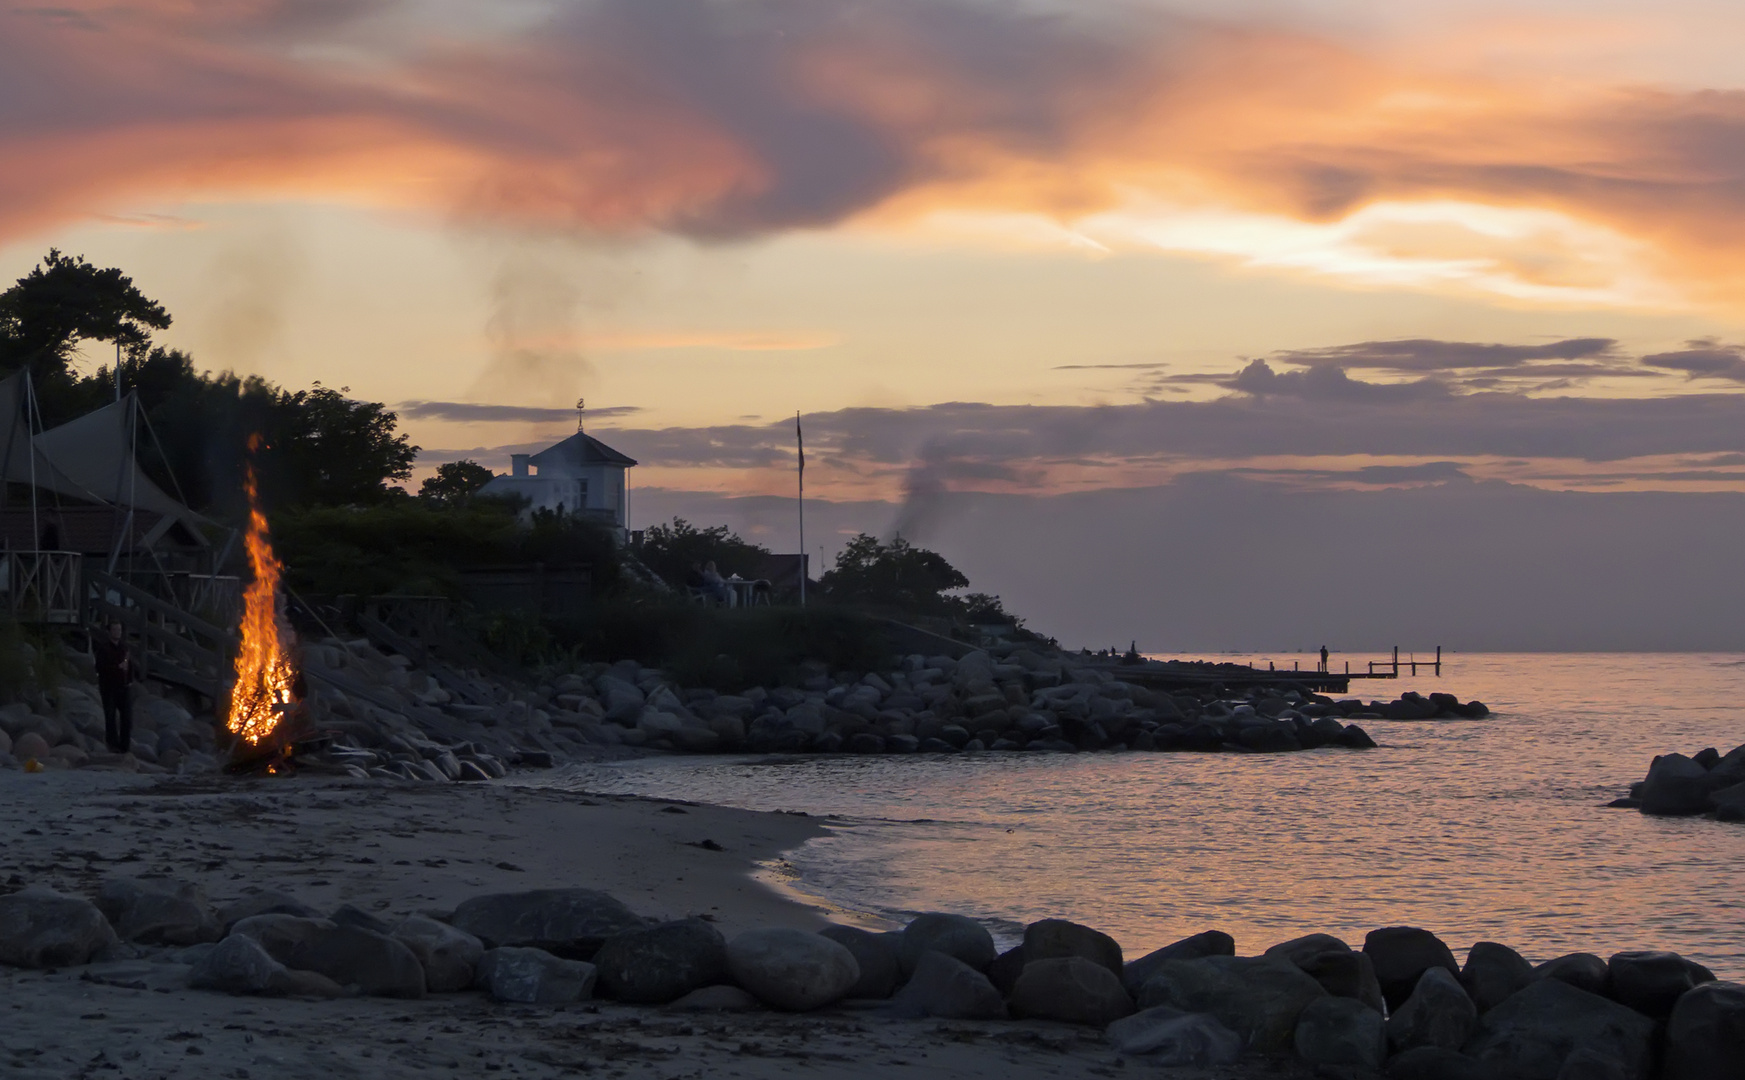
<point x="1023" y="248"/>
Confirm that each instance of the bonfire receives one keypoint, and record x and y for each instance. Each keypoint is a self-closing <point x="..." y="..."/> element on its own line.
<point x="262" y="694"/>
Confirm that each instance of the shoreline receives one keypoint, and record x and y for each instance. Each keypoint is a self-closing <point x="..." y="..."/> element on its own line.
<point x="403" y="849"/>
<point x="332" y="841"/>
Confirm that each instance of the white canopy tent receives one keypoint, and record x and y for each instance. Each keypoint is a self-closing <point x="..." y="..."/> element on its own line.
<point x="91" y="459"/>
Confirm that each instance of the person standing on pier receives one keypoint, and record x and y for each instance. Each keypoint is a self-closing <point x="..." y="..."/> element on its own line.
<point x="1324" y="659"/>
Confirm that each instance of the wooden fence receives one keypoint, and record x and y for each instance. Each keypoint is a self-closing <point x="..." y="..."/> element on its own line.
<point x="42" y="586"/>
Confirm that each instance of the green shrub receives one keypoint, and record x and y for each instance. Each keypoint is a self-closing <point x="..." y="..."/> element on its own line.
<point x="726" y="649"/>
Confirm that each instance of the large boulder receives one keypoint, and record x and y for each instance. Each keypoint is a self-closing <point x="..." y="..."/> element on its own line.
<point x="1054" y="939"/>
<point x="450" y="957"/>
<point x="375" y="963"/>
<point x="877" y="956"/>
<point x="1170" y="1037"/>
<point x="1705" y="1037"/>
<point x="571" y="923"/>
<point x="661" y="963"/>
<point x="1341" y="970"/>
<point x="1586" y="1063"/>
<point x="41" y="928"/>
<point x="717" y="999"/>
<point x="792" y="969"/>
<point x="236" y="965"/>
<point x="1259" y="998"/>
<point x="1071" y="989"/>
<point x="1435" y="1063"/>
<point x="1582" y="970"/>
<point x="1401" y="955"/>
<point x="158" y="912"/>
<point x="621" y="699"/>
<point x="1652" y="982"/>
<point x="957" y="936"/>
<point x="1729" y="803"/>
<point x="1493" y="973"/>
<point x="949" y="989"/>
<point x="1198" y="947"/>
<point x="1341" y="1031"/>
<point x="1534" y="1032"/>
<point x="1437" y="1014"/>
<point x="282" y="936"/>
<point x="533" y="977"/>
<point x="1676" y="785"/>
<point x="268" y="902"/>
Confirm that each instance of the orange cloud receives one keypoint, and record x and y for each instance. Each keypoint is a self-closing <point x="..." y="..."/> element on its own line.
<point x="719" y="121"/>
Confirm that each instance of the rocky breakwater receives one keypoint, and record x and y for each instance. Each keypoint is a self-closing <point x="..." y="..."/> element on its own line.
<point x="1706" y="782"/>
<point x="380" y="716"/>
<point x="1401" y="1003"/>
<point x="998" y="700"/>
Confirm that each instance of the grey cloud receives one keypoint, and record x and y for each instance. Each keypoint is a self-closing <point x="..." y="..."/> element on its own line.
<point x="1430" y="355"/>
<point x="1328" y="383"/>
<point x="1429" y="472"/>
<point x="1232" y="428"/>
<point x="475" y="412"/>
<point x="1704" y="358"/>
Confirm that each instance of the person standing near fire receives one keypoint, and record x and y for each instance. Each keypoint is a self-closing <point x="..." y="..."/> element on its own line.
<point x="115" y="674"/>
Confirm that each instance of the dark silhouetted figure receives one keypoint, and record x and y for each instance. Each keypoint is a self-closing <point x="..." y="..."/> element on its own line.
<point x="115" y="672"/>
<point x="1324" y="658"/>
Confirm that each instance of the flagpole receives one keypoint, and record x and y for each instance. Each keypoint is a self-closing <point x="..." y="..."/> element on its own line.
<point x="800" y="445"/>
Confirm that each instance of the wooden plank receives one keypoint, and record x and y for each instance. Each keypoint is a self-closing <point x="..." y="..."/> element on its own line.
<point x="151" y="603"/>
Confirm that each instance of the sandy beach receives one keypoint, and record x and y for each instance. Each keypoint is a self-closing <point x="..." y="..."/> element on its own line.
<point x="397" y="850"/>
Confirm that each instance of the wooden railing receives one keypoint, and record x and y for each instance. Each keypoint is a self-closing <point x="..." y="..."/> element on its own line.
<point x="174" y="645"/>
<point x="42" y="586"/>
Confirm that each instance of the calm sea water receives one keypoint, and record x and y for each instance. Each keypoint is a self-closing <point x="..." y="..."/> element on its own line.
<point x="1489" y="829"/>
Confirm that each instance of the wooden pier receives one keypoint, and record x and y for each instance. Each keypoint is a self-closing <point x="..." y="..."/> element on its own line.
<point x="1195" y="675"/>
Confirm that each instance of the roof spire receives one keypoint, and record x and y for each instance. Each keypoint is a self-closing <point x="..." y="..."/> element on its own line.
<point x="581" y="403"/>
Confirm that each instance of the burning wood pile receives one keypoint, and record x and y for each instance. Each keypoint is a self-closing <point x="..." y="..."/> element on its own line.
<point x="267" y="687"/>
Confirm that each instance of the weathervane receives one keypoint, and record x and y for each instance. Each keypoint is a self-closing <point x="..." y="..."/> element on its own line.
<point x="581" y="403"/>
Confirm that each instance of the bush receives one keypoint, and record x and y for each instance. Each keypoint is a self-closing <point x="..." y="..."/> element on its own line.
<point x="411" y="547"/>
<point x="672" y="550"/>
<point x="726" y="649"/>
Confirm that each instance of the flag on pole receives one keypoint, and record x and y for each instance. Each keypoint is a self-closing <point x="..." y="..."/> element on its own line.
<point x="800" y="448"/>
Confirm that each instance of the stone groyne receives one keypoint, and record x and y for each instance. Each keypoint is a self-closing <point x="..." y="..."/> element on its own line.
<point x="1401" y="1002"/>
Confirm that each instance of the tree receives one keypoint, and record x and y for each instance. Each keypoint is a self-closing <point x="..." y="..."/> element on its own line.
<point x="672" y="550"/>
<point x="897" y="574"/>
<point x="65" y="300"/>
<point x="454" y="482"/>
<point x="328" y="448"/>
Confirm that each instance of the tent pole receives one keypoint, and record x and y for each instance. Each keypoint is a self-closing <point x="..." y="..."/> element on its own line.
<point x="30" y="433"/>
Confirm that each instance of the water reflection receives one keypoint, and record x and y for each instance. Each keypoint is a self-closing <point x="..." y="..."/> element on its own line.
<point x="1477" y="830"/>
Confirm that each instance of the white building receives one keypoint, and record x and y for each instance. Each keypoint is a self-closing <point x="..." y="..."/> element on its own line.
<point x="581" y="476"/>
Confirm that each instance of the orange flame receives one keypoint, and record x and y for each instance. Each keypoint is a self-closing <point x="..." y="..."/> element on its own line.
<point x="263" y="671"/>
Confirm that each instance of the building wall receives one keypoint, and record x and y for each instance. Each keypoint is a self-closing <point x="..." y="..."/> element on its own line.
<point x="600" y="488"/>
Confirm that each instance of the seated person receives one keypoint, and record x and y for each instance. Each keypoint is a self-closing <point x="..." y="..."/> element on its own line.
<point x="714" y="585"/>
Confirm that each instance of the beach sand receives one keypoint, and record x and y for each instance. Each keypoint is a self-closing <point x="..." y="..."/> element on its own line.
<point x="396" y="850"/>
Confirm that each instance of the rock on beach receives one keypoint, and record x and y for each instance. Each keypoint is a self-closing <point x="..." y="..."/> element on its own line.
<point x="661" y="963"/>
<point x="572" y="923"/>
<point x="530" y="976"/>
<point x="957" y="936"/>
<point x="946" y="988"/>
<point x="1259" y="998"/>
<point x="43" y="928"/>
<point x="792" y="969"/>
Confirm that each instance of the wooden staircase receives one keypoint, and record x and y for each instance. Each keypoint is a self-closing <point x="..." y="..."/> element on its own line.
<point x="175" y="646"/>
